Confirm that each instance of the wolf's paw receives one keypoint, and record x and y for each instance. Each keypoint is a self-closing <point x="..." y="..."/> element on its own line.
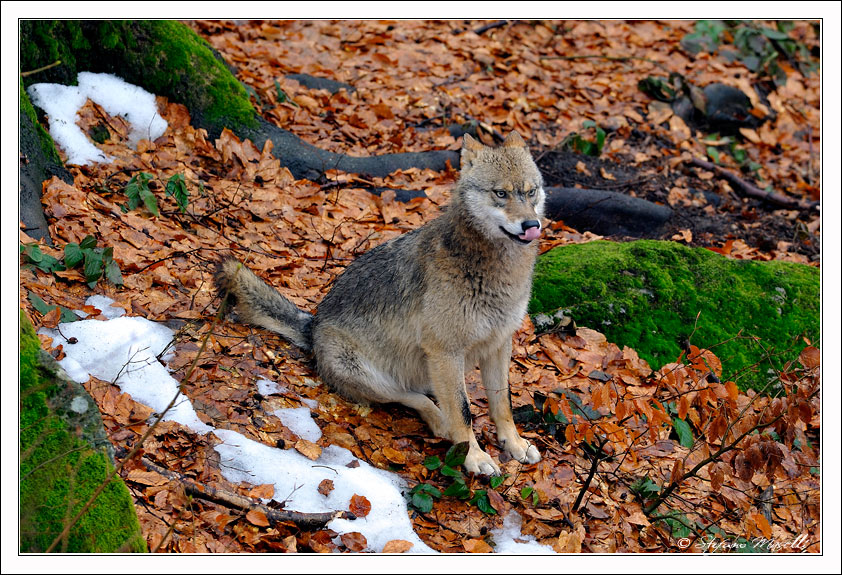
<point x="523" y="451"/>
<point x="479" y="462"/>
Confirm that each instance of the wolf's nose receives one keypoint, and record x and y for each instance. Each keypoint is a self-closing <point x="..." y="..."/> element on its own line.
<point x="530" y="224"/>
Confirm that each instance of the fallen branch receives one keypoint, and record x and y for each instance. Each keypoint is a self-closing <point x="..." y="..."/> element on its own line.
<point x="753" y="191"/>
<point x="236" y="501"/>
<point x="498" y="24"/>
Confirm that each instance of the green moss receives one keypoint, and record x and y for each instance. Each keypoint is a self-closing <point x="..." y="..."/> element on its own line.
<point x="44" y="139"/>
<point x="646" y="295"/>
<point x="165" y="57"/>
<point x="59" y="471"/>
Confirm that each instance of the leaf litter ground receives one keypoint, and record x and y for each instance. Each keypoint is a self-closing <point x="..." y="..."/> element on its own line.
<point x="299" y="235"/>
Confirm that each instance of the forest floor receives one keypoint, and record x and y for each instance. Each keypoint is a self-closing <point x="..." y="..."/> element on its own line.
<point x="620" y="447"/>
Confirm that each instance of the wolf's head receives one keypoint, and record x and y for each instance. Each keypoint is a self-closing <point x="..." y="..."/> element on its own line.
<point x="501" y="189"/>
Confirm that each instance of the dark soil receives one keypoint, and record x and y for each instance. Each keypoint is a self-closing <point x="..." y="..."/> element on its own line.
<point x="717" y="217"/>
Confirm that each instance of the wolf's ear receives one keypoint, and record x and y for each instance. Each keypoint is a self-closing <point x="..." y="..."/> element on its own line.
<point x="513" y="140"/>
<point x="470" y="147"/>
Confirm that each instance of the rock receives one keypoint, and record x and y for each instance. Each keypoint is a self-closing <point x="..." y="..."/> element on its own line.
<point x="646" y="294"/>
<point x="65" y="456"/>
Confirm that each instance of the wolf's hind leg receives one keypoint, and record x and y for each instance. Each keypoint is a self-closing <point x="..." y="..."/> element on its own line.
<point x="344" y="367"/>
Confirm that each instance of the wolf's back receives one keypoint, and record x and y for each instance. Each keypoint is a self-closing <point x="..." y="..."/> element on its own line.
<point x="259" y="304"/>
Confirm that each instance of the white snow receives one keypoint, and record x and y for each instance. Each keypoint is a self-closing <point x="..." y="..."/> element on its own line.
<point x="296" y="480"/>
<point x="300" y="422"/>
<point x="103" y="304"/>
<point x="266" y="387"/>
<point x="126" y="349"/>
<point x="117" y="97"/>
<point x="504" y="538"/>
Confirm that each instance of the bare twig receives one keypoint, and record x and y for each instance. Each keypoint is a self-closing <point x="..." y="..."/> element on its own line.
<point x="234" y="500"/>
<point x="41" y="69"/>
<point x="597" y="457"/>
<point x="753" y="191"/>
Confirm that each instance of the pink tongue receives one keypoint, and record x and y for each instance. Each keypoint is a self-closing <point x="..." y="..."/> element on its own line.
<point x="530" y="234"/>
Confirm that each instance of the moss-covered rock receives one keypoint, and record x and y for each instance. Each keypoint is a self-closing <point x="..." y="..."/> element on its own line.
<point x="64" y="457"/>
<point x="647" y="294"/>
<point x="164" y="57"/>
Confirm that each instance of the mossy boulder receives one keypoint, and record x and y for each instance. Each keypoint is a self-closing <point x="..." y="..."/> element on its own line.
<point x="64" y="457"/>
<point x="165" y="57"/>
<point x="647" y="294"/>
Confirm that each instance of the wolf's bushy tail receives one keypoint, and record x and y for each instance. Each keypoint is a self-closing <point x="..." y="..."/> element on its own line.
<point x="259" y="304"/>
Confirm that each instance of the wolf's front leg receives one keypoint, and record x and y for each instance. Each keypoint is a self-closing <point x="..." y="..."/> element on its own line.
<point x="447" y="372"/>
<point x="495" y="377"/>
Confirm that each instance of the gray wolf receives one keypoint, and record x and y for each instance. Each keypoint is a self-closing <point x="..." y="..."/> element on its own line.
<point x="405" y="320"/>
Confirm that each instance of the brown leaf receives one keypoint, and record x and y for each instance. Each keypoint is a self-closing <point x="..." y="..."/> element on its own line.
<point x="810" y="357"/>
<point x="325" y="487"/>
<point x="360" y="506"/>
<point x="397" y="546"/>
<point x="763" y="525"/>
<point x="394" y="455"/>
<point x="52" y="318"/>
<point x="258" y="518"/>
<point x="308" y="449"/>
<point x="477" y="546"/>
<point x="568" y="542"/>
<point x="265" y="491"/>
<point x="354" y="541"/>
<point x="146" y="477"/>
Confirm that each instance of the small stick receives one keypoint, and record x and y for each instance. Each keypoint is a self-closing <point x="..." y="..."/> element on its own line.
<point x="753" y="191"/>
<point x="41" y="69"/>
<point x="234" y="500"/>
<point x="498" y="24"/>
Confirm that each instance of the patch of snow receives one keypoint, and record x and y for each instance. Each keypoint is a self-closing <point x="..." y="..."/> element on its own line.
<point x="509" y="539"/>
<point x="266" y="387"/>
<point x="296" y="480"/>
<point x="117" y="97"/>
<point x="300" y="422"/>
<point x="103" y="304"/>
<point x="124" y="350"/>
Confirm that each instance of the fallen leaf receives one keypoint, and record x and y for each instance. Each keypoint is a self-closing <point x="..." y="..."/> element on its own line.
<point x="360" y="506"/>
<point x="354" y="541"/>
<point x="397" y="546"/>
<point x="258" y="518"/>
<point x="325" y="487"/>
<point x="477" y="546"/>
<point x="308" y="449"/>
<point x="265" y="491"/>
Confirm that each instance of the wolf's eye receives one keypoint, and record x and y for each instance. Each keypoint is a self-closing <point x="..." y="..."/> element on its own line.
<point x="531" y="193"/>
<point x="500" y="193"/>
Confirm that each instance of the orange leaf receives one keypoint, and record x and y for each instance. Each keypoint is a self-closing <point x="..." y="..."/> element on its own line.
<point x="354" y="541"/>
<point x="810" y="357"/>
<point x="763" y="525"/>
<point x="733" y="390"/>
<point x="308" y="449"/>
<point x="258" y="518"/>
<point x="265" y="491"/>
<point x="325" y="487"/>
<point x="477" y="546"/>
<point x="397" y="546"/>
<point x="52" y="318"/>
<point x="683" y="406"/>
<point x="360" y="506"/>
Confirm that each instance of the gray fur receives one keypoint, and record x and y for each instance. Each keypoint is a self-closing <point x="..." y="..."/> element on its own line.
<point x="406" y="319"/>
